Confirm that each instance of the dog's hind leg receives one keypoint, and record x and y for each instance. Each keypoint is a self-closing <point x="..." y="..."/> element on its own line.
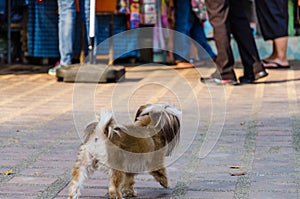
<point x="83" y="167"/>
<point x="128" y="188"/>
<point x="116" y="180"/>
<point x="160" y="176"/>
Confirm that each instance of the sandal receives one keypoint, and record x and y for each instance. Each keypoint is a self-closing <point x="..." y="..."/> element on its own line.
<point x="276" y="65"/>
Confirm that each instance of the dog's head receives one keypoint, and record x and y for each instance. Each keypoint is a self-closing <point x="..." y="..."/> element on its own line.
<point x="155" y="113"/>
<point x="165" y="118"/>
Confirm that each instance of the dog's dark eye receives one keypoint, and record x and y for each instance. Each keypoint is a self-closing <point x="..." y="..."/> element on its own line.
<point x="117" y="129"/>
<point x="105" y="132"/>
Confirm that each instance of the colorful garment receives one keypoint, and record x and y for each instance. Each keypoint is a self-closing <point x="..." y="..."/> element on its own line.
<point x="131" y="7"/>
<point x="198" y="6"/>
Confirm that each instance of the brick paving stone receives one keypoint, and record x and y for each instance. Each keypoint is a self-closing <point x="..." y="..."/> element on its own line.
<point x="94" y="192"/>
<point x="216" y="176"/>
<point x="23" y="189"/>
<point x="51" y="163"/>
<point x="16" y="156"/>
<point x="272" y="195"/>
<point x="31" y="180"/>
<point x="276" y="186"/>
<point x="14" y="196"/>
<point x="206" y="195"/>
<point x="8" y="163"/>
<point x="42" y="172"/>
<point x="209" y="185"/>
<point x="57" y="156"/>
<point x="154" y="193"/>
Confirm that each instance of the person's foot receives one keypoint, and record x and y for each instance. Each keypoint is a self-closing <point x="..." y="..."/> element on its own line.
<point x="183" y="64"/>
<point x="250" y="80"/>
<point x="52" y="71"/>
<point x="275" y="63"/>
<point x="217" y="81"/>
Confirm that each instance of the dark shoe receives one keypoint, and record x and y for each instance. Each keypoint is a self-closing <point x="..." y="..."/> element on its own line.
<point x="216" y="81"/>
<point x="249" y="80"/>
<point x="261" y="74"/>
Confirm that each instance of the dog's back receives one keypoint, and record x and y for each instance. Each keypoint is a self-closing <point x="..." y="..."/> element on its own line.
<point x="133" y="149"/>
<point x="134" y="139"/>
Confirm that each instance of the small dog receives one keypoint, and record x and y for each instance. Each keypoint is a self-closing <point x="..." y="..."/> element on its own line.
<point x="127" y="150"/>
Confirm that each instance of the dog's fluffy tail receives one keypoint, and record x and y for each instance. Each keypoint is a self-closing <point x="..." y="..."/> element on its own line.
<point x="165" y="118"/>
<point x="107" y="125"/>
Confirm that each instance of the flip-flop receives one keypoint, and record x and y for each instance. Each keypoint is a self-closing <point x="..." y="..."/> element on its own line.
<point x="276" y="65"/>
<point x="184" y="65"/>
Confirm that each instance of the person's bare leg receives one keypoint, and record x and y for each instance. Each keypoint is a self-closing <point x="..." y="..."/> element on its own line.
<point x="279" y="52"/>
<point x="273" y="55"/>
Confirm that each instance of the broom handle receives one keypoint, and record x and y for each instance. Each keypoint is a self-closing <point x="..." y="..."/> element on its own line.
<point x="92" y="29"/>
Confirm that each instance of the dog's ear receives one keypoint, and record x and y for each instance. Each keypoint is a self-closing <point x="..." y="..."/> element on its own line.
<point x="144" y="120"/>
<point x="89" y="131"/>
<point x="117" y="129"/>
<point x="166" y="119"/>
<point x="139" y="111"/>
<point x="107" y="129"/>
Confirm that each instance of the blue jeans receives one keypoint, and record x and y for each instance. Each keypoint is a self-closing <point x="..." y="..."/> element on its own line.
<point x="66" y="27"/>
<point x="66" y="32"/>
<point x="187" y="23"/>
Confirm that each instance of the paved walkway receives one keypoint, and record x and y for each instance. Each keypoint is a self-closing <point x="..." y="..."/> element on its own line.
<point x="237" y="141"/>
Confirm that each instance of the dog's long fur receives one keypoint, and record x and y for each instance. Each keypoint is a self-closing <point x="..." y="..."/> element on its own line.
<point x="164" y="118"/>
<point x="127" y="149"/>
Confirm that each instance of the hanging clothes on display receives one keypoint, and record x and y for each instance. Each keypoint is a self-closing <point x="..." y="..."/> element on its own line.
<point x="199" y="8"/>
<point x="43" y="29"/>
<point x="132" y="8"/>
<point x="134" y="14"/>
<point x="160" y="33"/>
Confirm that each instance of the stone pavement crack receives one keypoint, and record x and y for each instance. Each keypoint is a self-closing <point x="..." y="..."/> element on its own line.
<point x="243" y="184"/>
<point x="56" y="186"/>
<point x="187" y="177"/>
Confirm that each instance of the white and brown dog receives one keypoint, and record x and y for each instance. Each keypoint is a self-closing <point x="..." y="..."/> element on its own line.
<point x="127" y="150"/>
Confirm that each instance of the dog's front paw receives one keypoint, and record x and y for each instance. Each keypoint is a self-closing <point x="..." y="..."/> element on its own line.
<point x="73" y="192"/>
<point x="130" y="193"/>
<point x="164" y="182"/>
<point x="113" y="194"/>
<point x="73" y="196"/>
<point x="115" y="197"/>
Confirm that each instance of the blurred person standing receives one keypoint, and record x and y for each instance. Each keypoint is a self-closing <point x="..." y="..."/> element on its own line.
<point x="66" y="33"/>
<point x="228" y="17"/>
<point x="66" y="29"/>
<point x="249" y="6"/>
<point x="187" y="22"/>
<point x="273" y="21"/>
